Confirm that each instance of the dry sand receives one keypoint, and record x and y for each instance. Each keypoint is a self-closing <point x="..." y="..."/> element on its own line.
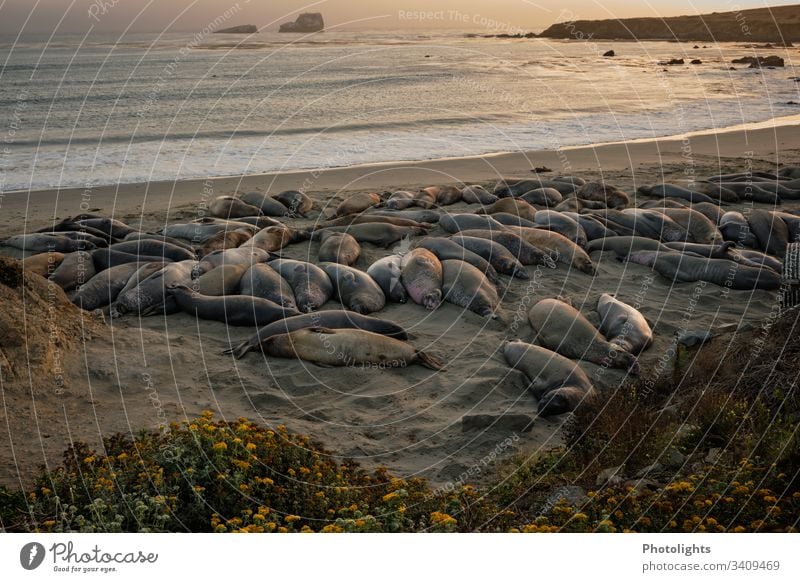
<point x="138" y="374"/>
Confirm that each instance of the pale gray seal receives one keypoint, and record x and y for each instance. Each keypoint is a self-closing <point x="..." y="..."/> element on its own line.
<point x="264" y="202"/>
<point x="623" y="325"/>
<point x="238" y="310"/>
<point x="263" y="281"/>
<point x="557" y="382"/>
<point x="230" y="207"/>
<point x="511" y="206"/>
<point x="498" y="256"/>
<point x="356" y="290"/>
<point x="563" y="329"/>
<point x="467" y="287"/>
<point x="311" y="285"/>
<point x="386" y="273"/>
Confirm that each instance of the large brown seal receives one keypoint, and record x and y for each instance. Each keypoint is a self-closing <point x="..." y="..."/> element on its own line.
<point x="563" y="329"/>
<point x="230" y="207"/>
<point x="43" y="264"/>
<point x="558" y="383"/>
<point x="477" y="194"/>
<point x="75" y="270"/>
<point x="154" y="248"/>
<point x="224" y="280"/>
<point x="357" y="203"/>
<point x="561" y="248"/>
<point x="563" y="225"/>
<point x="338" y="247"/>
<point x="454" y="223"/>
<point x="622" y="246"/>
<point x="700" y="228"/>
<point x="610" y="195"/>
<point x="400" y="200"/>
<point x="274" y="238"/>
<point x="623" y="325"/>
<point x="511" y="206"/>
<point x="333" y="319"/>
<point x="421" y="275"/>
<point x="347" y="347"/>
<point x="103" y="289"/>
<point x="297" y="203"/>
<point x="467" y="287"/>
<point x="356" y="290"/>
<point x="770" y="231"/>
<point x="225" y="239"/>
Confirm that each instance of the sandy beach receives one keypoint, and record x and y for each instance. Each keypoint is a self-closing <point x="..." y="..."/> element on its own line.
<point x="136" y="374"/>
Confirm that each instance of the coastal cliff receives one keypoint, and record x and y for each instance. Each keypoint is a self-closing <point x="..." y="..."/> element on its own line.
<point x="780" y="24"/>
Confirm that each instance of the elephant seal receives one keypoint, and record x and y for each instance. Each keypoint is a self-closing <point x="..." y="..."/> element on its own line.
<point x="467" y="287"/>
<point x="421" y="216"/>
<point x="386" y="273"/>
<point x="237" y="310"/>
<point x="661" y="223"/>
<point x="560" y="247"/>
<point x="673" y="191"/>
<point x="144" y="271"/>
<point x="714" y="191"/>
<point x="453" y="223"/>
<point x="563" y="329"/>
<point x="476" y="194"/>
<point x="426" y="198"/>
<point x="154" y="248"/>
<point x="106" y="258"/>
<point x="225" y="239"/>
<point x="347" y="347"/>
<point x="549" y="197"/>
<point x="507" y="219"/>
<point x="592" y="228"/>
<point x="448" y="195"/>
<point x="338" y="247"/>
<point x="611" y="196"/>
<point x="195" y="232"/>
<point x="382" y="235"/>
<point x="400" y="200"/>
<point x="710" y="211"/>
<point x="331" y="319"/>
<point x="622" y="246"/>
<point x="558" y="383"/>
<point x="373" y="218"/>
<point x="421" y="275"/>
<point x="111" y="226"/>
<point x="43" y="243"/>
<point x="446" y="249"/>
<point x="70" y="226"/>
<point x="623" y="325"/>
<point x="158" y="237"/>
<point x="356" y="203"/>
<point x="700" y="228"/>
<point x="573" y="204"/>
<point x="516" y="188"/>
<point x="734" y="227"/>
<point x="770" y="231"/>
<point x="76" y="269"/>
<point x="151" y="296"/>
<point x="230" y="207"/>
<point x="311" y="285"/>
<point x="239" y="256"/>
<point x="511" y="206"/>
<point x="103" y="289"/>
<point x="563" y="225"/>
<point x="678" y="267"/>
<point x="712" y="251"/>
<point x="274" y="238"/>
<point x="498" y="256"/>
<point x="356" y="290"/>
<point x="263" y="281"/>
<point x="43" y="264"/>
<point x="752" y="191"/>
<point x="297" y="203"/>
<point x="525" y="252"/>
<point x="267" y="205"/>
<point x="224" y="280"/>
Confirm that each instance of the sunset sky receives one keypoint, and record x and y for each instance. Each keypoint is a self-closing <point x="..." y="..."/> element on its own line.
<point x="79" y="16"/>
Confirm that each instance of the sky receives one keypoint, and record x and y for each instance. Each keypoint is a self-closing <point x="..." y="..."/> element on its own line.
<point x="81" y="16"/>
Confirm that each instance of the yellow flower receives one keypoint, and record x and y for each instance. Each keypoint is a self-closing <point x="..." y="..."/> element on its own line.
<point x="220" y="446"/>
<point x="122" y="456"/>
<point x="283" y="530"/>
<point x="251" y="446"/>
<point x="390" y="496"/>
<point x="770" y="499"/>
<point x="46" y="491"/>
<point x="272" y="525"/>
<point x="738" y="529"/>
<point x="49" y="523"/>
<point x="291" y="518"/>
<point x="580" y="517"/>
<point x="89" y="459"/>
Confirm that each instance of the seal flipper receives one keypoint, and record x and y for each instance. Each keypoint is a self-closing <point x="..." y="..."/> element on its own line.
<point x="239" y="350"/>
<point x="430" y="361"/>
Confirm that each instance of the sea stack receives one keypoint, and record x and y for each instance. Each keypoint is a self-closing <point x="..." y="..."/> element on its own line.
<point x="306" y="22"/>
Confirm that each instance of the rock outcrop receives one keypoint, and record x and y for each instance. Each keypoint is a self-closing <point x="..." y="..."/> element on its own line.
<point x="241" y="29"/>
<point x="778" y="24"/>
<point x="306" y="22"/>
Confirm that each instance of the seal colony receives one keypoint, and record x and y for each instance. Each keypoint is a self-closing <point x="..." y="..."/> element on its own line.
<point x="234" y="266"/>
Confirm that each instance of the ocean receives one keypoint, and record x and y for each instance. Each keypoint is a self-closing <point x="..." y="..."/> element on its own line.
<point x="83" y="111"/>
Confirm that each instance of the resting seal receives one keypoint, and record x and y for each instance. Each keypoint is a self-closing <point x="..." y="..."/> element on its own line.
<point x="238" y="310"/>
<point x="356" y="290"/>
<point x="467" y="287"/>
<point x="311" y="285"/>
<point x="230" y="207"/>
<point x="421" y="275"/>
<point x="386" y="273"/>
<point x="623" y="325"/>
